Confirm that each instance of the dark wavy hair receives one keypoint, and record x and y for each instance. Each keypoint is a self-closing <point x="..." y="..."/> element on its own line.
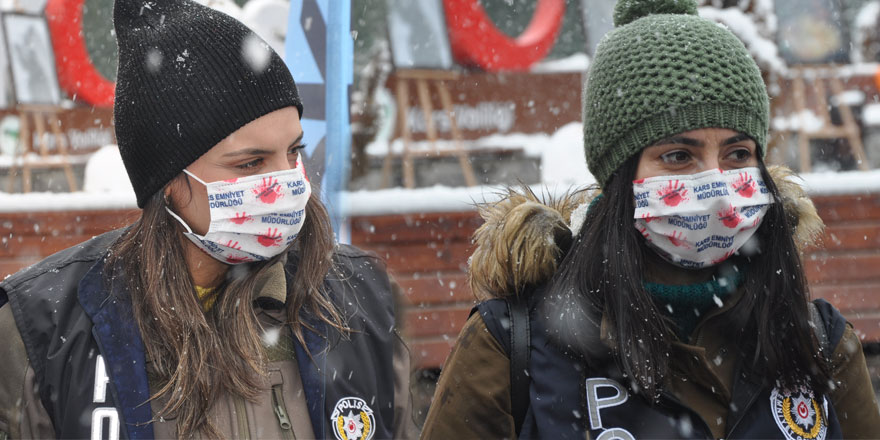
<point x="602" y="275"/>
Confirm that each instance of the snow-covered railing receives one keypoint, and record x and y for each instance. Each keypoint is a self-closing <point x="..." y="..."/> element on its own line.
<point x="419" y="200"/>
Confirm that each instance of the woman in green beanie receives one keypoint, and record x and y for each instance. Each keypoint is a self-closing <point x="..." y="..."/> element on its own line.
<point x="670" y="301"/>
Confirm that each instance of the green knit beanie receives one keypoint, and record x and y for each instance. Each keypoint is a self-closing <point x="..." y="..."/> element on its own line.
<point x="662" y="71"/>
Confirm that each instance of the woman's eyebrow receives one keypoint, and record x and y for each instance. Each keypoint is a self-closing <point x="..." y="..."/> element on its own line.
<point x="682" y="140"/>
<point x="298" y="139"/>
<point x="248" y="152"/>
<point x="260" y="151"/>
<point x="735" y="139"/>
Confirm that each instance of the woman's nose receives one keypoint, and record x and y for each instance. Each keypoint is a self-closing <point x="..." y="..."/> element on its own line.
<point x="280" y="162"/>
<point x="708" y="162"/>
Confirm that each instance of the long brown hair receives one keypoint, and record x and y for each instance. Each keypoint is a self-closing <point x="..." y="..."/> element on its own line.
<point x="196" y="356"/>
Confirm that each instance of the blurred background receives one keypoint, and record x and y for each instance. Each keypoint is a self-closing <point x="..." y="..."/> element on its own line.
<point x="430" y="106"/>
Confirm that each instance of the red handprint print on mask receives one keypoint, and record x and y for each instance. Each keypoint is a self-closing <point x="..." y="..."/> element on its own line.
<point x="730" y="217"/>
<point x="722" y="258"/>
<point x="235" y="259"/>
<point x="745" y="185"/>
<point x="648" y="219"/>
<point x="268" y="191"/>
<point x="271" y="238"/>
<point x="678" y="240"/>
<point x="241" y="217"/>
<point x="673" y="194"/>
<point x="233" y="245"/>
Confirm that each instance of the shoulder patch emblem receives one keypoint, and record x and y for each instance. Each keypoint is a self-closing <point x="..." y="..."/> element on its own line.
<point x="798" y="414"/>
<point x="352" y="419"/>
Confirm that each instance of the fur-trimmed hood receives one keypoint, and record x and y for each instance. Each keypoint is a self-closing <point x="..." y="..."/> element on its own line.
<point x="524" y="235"/>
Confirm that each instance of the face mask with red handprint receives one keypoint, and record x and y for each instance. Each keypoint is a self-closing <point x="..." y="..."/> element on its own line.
<point x="701" y="219"/>
<point x="253" y="218"/>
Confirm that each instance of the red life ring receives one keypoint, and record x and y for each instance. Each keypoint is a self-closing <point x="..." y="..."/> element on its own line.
<point x="76" y="73"/>
<point x="475" y="39"/>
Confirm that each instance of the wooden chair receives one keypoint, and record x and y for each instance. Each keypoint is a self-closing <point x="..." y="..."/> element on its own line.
<point x="28" y="157"/>
<point x="423" y="79"/>
<point x="819" y="78"/>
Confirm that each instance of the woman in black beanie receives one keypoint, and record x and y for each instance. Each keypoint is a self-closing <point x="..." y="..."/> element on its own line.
<point x="226" y="309"/>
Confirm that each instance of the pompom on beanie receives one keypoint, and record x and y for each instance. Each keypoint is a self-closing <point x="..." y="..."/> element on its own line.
<point x="664" y="70"/>
<point x="188" y="77"/>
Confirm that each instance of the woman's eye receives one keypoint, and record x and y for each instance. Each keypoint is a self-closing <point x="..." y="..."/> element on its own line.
<point x="250" y="165"/>
<point x="740" y="155"/>
<point x="293" y="152"/>
<point x="675" y="157"/>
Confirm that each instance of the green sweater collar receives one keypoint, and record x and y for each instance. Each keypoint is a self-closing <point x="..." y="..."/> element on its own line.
<point x="686" y="304"/>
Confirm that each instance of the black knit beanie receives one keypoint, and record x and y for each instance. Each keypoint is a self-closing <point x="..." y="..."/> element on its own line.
<point x="188" y="77"/>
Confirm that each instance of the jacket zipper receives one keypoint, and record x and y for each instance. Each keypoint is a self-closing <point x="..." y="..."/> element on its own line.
<point x="281" y="412"/>
<point x="241" y="415"/>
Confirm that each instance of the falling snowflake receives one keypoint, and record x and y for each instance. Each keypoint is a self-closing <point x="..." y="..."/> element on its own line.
<point x="256" y="53"/>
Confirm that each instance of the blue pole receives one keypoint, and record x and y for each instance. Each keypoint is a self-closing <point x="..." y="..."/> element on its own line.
<point x="340" y="56"/>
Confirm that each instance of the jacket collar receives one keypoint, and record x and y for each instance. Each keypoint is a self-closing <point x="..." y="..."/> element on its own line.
<point x="271" y="288"/>
<point x="606" y="332"/>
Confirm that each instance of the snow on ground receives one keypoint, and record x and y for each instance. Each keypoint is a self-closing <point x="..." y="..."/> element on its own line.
<point x="794" y="121"/>
<point x="857" y="69"/>
<point x="851" y="98"/>
<point x="563" y="169"/>
<point x="36" y="159"/>
<point x="871" y="114"/>
<point x="531" y="144"/>
<point x="766" y="9"/>
<point x="578" y="62"/>
<point x="562" y="158"/>
<point x="105" y="173"/>
<point x="865" y="24"/>
<point x="447" y="199"/>
<point x="842" y="182"/>
<point x="434" y="199"/>
<point x="410" y="201"/>
<point x="77" y="201"/>
<point x="842" y="71"/>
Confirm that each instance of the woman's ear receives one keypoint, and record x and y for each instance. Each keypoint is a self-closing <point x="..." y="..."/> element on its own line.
<point x="174" y="190"/>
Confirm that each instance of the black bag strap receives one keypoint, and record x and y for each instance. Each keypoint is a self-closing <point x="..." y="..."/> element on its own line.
<point x="821" y="331"/>
<point x="519" y="359"/>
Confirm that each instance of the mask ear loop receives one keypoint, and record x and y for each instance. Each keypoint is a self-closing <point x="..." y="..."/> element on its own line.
<point x="180" y="220"/>
<point x="177" y="217"/>
<point x="194" y="177"/>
